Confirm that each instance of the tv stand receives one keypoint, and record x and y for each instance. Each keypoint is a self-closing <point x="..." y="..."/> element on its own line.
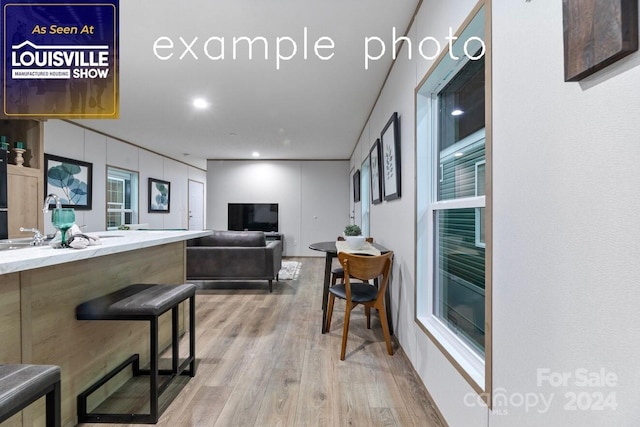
<point x="272" y="235"/>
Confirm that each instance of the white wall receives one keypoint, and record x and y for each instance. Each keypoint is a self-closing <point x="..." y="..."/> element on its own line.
<point x="565" y="225"/>
<point x="68" y="140"/>
<point x="312" y="197"/>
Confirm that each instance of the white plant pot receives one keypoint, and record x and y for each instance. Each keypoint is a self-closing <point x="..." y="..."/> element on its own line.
<point x="355" y="242"/>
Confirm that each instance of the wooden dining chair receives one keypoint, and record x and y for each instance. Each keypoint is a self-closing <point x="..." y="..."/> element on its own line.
<point x="338" y="272"/>
<point x="359" y="268"/>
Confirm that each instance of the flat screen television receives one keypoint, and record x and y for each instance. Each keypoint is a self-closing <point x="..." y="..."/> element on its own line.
<point x="253" y="216"/>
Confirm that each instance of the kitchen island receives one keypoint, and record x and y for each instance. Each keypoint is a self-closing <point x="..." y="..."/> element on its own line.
<point x="40" y="288"/>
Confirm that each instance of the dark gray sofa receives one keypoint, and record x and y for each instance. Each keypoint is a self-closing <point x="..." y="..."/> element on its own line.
<point x="234" y="255"/>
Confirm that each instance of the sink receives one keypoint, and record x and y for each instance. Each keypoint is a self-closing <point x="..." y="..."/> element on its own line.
<point x="11" y="244"/>
<point x="20" y="243"/>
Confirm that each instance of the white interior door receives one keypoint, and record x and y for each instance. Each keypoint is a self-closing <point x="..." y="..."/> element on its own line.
<point x="196" y="205"/>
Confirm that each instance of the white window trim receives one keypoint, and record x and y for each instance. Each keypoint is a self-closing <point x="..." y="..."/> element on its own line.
<point x="116" y="173"/>
<point x="468" y="358"/>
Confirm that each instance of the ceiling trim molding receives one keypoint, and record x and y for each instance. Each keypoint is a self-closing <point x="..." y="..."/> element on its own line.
<point x="132" y="144"/>
<point x="384" y="82"/>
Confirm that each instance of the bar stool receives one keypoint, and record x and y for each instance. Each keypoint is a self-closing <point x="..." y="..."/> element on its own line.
<point x="142" y="302"/>
<point x="21" y="385"/>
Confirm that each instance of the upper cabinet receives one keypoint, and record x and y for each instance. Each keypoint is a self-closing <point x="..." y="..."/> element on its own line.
<point x="25" y="182"/>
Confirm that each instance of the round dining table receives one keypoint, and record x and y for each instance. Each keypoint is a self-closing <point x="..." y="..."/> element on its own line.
<point x="331" y="252"/>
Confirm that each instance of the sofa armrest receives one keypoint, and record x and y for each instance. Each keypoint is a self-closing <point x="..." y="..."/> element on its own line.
<point x="274" y="256"/>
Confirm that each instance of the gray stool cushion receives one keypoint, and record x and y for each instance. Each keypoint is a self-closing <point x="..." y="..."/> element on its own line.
<point x="135" y="301"/>
<point x="22" y="384"/>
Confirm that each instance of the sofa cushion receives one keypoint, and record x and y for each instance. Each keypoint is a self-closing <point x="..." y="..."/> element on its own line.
<point x="251" y="239"/>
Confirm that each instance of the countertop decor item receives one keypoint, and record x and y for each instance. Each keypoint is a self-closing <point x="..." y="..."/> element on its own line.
<point x="63" y="219"/>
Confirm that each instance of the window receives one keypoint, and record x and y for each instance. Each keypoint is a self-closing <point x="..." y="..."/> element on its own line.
<point x="459" y="261"/>
<point x="451" y="203"/>
<point x="122" y="197"/>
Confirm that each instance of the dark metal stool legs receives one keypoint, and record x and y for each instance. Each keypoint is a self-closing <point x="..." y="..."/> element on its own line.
<point x="156" y="388"/>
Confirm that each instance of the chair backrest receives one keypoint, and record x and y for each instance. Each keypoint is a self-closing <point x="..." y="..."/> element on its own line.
<point x="366" y="267"/>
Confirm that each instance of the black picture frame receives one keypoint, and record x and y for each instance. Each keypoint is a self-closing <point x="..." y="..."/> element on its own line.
<point x="356" y="186"/>
<point x="159" y="196"/>
<point x="390" y="155"/>
<point x="71" y="180"/>
<point x="375" y="173"/>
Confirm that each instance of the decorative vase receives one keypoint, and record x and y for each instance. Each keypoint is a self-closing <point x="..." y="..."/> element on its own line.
<point x="63" y="219"/>
<point x="355" y="242"/>
<point x="19" y="159"/>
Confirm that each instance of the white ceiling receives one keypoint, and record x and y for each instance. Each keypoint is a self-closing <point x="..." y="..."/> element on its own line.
<point x="308" y="109"/>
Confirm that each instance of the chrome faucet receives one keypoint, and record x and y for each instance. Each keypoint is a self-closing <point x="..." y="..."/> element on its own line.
<point x="47" y="200"/>
<point x="38" y="238"/>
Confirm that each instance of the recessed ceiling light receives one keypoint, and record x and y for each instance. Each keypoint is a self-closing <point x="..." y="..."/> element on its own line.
<point x="255" y="154"/>
<point x="458" y="154"/>
<point x="457" y="112"/>
<point x="200" y="103"/>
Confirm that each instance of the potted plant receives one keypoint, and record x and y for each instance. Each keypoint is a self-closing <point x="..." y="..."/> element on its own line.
<point x="353" y="236"/>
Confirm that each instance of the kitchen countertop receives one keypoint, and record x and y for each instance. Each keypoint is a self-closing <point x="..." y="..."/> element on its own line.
<point x="112" y="242"/>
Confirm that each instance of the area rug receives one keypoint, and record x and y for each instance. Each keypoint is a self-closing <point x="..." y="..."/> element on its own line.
<point x="289" y="270"/>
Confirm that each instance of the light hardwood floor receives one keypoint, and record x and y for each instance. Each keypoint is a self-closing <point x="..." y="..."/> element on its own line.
<point x="262" y="361"/>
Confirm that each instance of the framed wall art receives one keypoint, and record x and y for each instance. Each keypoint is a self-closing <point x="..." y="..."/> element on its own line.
<point x="159" y="196"/>
<point x="597" y="34"/>
<point x="374" y="168"/>
<point x="356" y="186"/>
<point x="390" y="154"/>
<point x="70" y="180"/>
